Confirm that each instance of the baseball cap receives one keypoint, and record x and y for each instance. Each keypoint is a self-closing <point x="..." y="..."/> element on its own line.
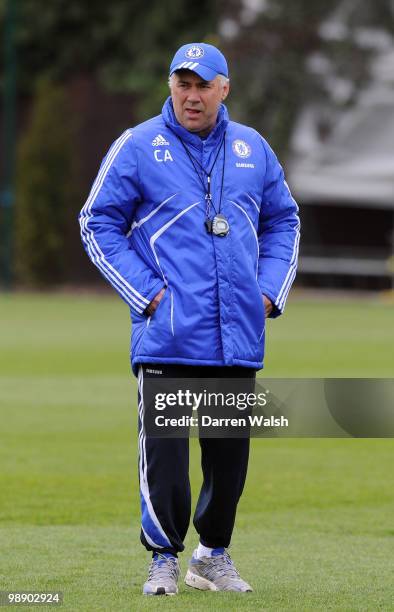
<point x="206" y="60"/>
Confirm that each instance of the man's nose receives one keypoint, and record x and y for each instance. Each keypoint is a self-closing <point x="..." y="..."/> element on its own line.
<point x="193" y="95"/>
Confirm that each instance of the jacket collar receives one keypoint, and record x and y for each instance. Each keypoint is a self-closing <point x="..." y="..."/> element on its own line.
<point x="213" y="138"/>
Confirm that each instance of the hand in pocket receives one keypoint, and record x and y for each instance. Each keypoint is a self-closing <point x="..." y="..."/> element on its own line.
<point x="151" y="308"/>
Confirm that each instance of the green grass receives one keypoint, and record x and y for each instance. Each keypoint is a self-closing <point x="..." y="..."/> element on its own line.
<point x="315" y="525"/>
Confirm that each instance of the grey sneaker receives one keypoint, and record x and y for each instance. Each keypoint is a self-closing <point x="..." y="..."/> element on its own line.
<point x="163" y="576"/>
<point x="216" y="573"/>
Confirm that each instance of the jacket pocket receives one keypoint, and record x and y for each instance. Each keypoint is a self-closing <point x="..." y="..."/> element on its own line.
<point x="138" y="331"/>
<point x="153" y="316"/>
<point x="158" y="327"/>
<point x="260" y="315"/>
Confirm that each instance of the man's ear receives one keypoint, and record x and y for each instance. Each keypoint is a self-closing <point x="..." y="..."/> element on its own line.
<point x="225" y="91"/>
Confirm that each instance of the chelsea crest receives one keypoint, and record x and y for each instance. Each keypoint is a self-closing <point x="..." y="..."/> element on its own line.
<point x="194" y="52"/>
<point x="242" y="148"/>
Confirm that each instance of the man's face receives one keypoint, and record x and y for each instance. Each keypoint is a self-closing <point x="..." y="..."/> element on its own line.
<point x="196" y="102"/>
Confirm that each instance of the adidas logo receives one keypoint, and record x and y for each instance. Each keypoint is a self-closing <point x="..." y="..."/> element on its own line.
<point x="159" y="141"/>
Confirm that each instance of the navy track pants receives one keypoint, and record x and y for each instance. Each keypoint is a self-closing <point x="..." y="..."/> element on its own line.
<point x="164" y="470"/>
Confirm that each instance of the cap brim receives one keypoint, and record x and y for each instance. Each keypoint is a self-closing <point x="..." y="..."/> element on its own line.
<point x="203" y="71"/>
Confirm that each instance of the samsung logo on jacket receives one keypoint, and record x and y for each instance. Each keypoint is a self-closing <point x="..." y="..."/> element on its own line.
<point x="143" y="227"/>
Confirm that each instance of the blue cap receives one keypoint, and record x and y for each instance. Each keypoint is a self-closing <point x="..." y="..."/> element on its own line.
<point x="206" y="60"/>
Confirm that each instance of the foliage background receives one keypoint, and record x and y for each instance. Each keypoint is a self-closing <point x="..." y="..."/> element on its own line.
<point x="111" y="60"/>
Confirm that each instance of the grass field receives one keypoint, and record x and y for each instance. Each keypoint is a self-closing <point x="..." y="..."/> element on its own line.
<point x="315" y="527"/>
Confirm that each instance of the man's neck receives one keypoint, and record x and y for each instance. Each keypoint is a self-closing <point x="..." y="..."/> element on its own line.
<point x="205" y="133"/>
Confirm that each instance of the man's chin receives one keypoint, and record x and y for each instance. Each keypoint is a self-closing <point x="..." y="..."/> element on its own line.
<point x="193" y="126"/>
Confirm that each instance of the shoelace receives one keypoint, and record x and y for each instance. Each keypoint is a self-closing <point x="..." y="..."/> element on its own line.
<point x="163" y="567"/>
<point x="222" y="565"/>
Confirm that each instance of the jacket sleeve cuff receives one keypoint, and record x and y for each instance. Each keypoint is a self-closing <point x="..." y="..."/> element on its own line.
<point x="275" y="312"/>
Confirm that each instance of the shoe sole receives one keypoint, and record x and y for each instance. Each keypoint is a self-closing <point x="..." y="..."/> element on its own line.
<point x="198" y="582"/>
<point x="160" y="594"/>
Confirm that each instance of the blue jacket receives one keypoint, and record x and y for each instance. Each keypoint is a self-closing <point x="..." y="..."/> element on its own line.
<point x="143" y="227"/>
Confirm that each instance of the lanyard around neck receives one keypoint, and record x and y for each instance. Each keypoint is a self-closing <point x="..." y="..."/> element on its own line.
<point x="207" y="188"/>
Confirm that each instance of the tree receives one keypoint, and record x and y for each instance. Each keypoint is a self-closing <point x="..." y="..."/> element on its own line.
<point x="44" y="188"/>
<point x="286" y="54"/>
<point x="126" y="46"/>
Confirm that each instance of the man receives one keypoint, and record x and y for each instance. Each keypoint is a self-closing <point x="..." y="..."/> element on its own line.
<point x="191" y="220"/>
